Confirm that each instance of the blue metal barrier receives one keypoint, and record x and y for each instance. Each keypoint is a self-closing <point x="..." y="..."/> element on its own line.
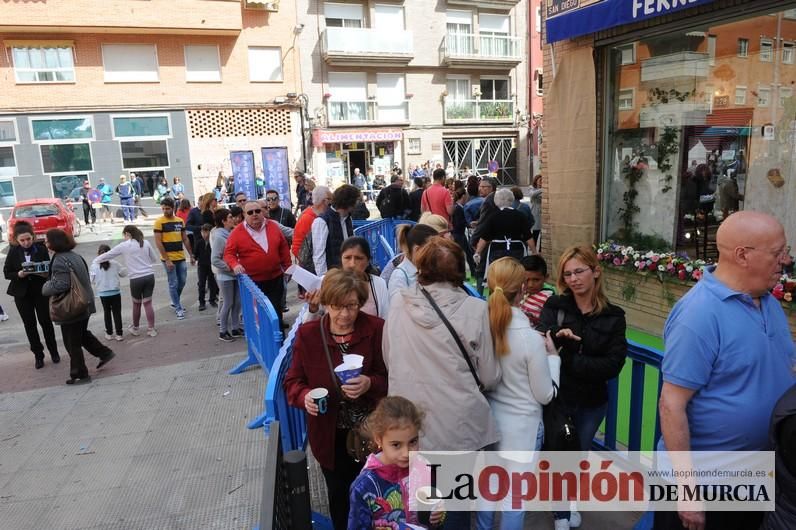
<point x="261" y="326"/>
<point x="381" y="237"/>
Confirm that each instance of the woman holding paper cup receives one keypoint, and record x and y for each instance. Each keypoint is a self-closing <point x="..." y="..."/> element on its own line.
<point x="345" y="336"/>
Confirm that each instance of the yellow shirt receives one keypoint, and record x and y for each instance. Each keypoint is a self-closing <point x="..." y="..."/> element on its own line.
<point x="171" y="231"/>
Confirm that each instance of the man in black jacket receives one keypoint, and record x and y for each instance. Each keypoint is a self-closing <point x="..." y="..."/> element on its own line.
<point x="393" y="201"/>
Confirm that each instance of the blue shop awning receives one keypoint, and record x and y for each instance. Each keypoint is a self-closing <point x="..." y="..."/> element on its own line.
<point x="573" y="18"/>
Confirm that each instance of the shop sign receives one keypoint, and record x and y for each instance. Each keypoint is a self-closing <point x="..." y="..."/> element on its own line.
<point x="721" y="101"/>
<point x="320" y="137"/>
<point x="572" y="18"/>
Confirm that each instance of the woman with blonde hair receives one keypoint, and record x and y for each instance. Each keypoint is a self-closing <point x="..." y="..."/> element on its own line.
<point x="208" y="204"/>
<point x="530" y="367"/>
<point x="591" y="334"/>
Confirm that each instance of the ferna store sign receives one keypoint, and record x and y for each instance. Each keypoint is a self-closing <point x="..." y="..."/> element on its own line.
<point x="573" y="18"/>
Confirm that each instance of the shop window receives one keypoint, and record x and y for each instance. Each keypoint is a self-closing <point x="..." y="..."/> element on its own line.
<point x="79" y="128"/>
<point x="44" y="64"/>
<point x="763" y="96"/>
<point x="7" y="195"/>
<point x="64" y="158"/>
<point x="140" y="126"/>
<point x="130" y="63"/>
<point x="788" y="53"/>
<point x="743" y="47"/>
<point x="626" y="98"/>
<point x="202" y="64"/>
<point x="785" y="94"/>
<point x="766" y="50"/>
<point x="8" y="165"/>
<point x="67" y="186"/>
<point x="413" y="146"/>
<point x="740" y="95"/>
<point x="146" y="154"/>
<point x="265" y="63"/>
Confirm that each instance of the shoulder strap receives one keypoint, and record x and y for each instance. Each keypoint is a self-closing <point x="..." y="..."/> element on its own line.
<point x="373" y="294"/>
<point x="324" y="318"/>
<point x="560" y="317"/>
<point x="455" y="337"/>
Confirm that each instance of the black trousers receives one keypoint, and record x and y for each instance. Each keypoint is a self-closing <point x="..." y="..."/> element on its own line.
<point x="461" y="240"/>
<point x="76" y="337"/>
<point x="112" y="309"/>
<point x="30" y="310"/>
<point x="89" y="211"/>
<point x="273" y="289"/>
<point x="207" y="281"/>
<point x="338" y="481"/>
<point x="713" y="521"/>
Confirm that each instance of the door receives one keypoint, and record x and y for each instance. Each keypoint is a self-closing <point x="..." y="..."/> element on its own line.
<point x="356" y="159"/>
<point x="459" y="28"/>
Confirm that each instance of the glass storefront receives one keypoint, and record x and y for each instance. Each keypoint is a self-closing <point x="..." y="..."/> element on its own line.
<point x="700" y="123"/>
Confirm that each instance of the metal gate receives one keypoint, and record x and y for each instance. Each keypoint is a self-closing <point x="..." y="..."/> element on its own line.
<point x="477" y="152"/>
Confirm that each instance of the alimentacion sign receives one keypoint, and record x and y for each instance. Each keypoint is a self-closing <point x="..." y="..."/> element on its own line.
<point x="573" y="18"/>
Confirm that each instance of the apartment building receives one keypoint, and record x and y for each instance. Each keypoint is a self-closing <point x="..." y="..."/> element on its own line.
<point x="397" y="82"/>
<point x="99" y="88"/>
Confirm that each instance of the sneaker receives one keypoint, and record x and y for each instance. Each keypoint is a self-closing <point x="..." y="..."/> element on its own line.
<point x="213" y="304"/>
<point x="561" y="524"/>
<point x="202" y="307"/>
<point x="236" y="333"/>
<point x="108" y="336"/>
<point x="225" y="337"/>
<point x="242" y="334"/>
<point x="173" y="306"/>
<point x="119" y="338"/>
<point x="180" y="314"/>
<point x="152" y="332"/>
<point x="134" y="331"/>
<point x="574" y="519"/>
<point x="3" y="317"/>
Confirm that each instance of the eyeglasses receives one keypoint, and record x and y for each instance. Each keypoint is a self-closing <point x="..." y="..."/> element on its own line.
<point x="576" y="272"/>
<point x="256" y="211"/>
<point x="777" y="254"/>
<point x="272" y="198"/>
<point x="351" y="308"/>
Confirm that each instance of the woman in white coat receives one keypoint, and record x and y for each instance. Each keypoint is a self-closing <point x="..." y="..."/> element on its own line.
<point x="530" y="365"/>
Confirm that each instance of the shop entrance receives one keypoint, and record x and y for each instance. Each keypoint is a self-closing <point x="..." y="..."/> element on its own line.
<point x="357" y="159"/>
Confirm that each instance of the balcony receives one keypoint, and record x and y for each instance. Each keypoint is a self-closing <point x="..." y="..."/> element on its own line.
<point x="503" y="5"/>
<point x="677" y="114"/>
<point x="366" y="112"/>
<point x="198" y="17"/>
<point x="467" y="50"/>
<point x="675" y="65"/>
<point x="478" y="111"/>
<point x="366" y="47"/>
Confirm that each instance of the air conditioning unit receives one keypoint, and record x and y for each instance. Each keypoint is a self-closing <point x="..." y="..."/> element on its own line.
<point x="271" y="5"/>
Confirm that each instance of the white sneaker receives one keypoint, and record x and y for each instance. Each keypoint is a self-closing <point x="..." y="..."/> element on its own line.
<point x="134" y="331"/>
<point x="152" y="332"/>
<point x="108" y="336"/>
<point x="3" y="317"/>
<point x="574" y="519"/>
<point x="119" y="338"/>
<point x="561" y="524"/>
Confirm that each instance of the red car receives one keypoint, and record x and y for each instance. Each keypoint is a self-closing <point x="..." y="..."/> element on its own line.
<point x="44" y="214"/>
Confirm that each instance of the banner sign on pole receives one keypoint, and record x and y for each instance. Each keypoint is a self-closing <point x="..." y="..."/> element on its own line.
<point x="566" y="19"/>
<point x="243" y="171"/>
<point x="277" y="174"/>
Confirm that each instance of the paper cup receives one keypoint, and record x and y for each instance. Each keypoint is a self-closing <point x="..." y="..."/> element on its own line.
<point x="345" y="372"/>
<point x="425" y="505"/>
<point x="320" y="396"/>
<point x="353" y="359"/>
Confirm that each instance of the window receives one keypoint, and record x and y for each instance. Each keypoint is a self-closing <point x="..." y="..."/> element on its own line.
<point x="67" y="186"/>
<point x="202" y="64"/>
<point x="265" y="64"/>
<point x="627" y="54"/>
<point x="140" y="126"/>
<point x="743" y="47"/>
<point x="787" y="53"/>
<point x="44" y="65"/>
<point x="494" y="36"/>
<point x="763" y="96"/>
<point x="626" y="97"/>
<point x="413" y="146"/>
<point x="130" y="63"/>
<point x="389" y="18"/>
<point x="8" y="166"/>
<point x="459" y="88"/>
<point x="66" y="158"/>
<point x="539" y="78"/>
<point x="8" y="131"/>
<point x="766" y="50"/>
<point x="712" y="49"/>
<point x="709" y="93"/>
<point x="62" y="129"/>
<point x="538" y="19"/>
<point x="459" y="28"/>
<point x="145" y="154"/>
<point x="7" y="196"/>
<point x="343" y="15"/>
<point x="391" y="97"/>
<point x="740" y="95"/>
<point x="349" y="96"/>
<point x="495" y="89"/>
<point x="784" y="96"/>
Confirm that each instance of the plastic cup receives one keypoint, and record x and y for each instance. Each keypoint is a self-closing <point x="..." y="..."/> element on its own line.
<point x="345" y="372"/>
<point x="320" y="396"/>
<point x="425" y="504"/>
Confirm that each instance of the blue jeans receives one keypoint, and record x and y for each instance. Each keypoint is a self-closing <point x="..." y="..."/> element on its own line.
<point x="127" y="209"/>
<point x="176" y="277"/>
<point x="509" y="520"/>
<point x="587" y="421"/>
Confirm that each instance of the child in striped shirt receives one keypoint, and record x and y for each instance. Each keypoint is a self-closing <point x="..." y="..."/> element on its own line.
<point x="536" y="291"/>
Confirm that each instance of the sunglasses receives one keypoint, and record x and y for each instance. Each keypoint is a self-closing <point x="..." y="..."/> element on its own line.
<point x="252" y="212"/>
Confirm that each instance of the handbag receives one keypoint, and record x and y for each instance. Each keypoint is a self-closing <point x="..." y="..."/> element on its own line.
<point x="559" y="426"/>
<point x="455" y="338"/>
<point x="352" y="415"/>
<point x="72" y="303"/>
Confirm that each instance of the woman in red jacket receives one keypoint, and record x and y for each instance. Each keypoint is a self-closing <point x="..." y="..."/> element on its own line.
<point x="345" y="330"/>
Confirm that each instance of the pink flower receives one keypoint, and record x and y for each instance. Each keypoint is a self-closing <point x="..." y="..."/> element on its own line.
<point x="617" y="262"/>
<point x="697" y="274"/>
<point x="655" y="258"/>
<point x="778" y="291"/>
<point x="681" y="274"/>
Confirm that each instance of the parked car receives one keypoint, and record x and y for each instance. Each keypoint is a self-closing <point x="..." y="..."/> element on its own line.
<point x="44" y="214"/>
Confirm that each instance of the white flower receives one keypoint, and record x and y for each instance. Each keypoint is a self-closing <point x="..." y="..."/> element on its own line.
<point x="629" y="249"/>
<point x="689" y="269"/>
<point x="637" y="264"/>
<point x="661" y="268"/>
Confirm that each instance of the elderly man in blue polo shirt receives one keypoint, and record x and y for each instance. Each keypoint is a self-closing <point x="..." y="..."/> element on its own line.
<point x="729" y="357"/>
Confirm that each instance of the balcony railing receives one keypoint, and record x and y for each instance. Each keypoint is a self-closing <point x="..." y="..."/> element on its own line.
<point x="472" y="47"/>
<point x="366" y="111"/>
<point x="475" y="110"/>
<point x="675" y="65"/>
<point x="341" y="45"/>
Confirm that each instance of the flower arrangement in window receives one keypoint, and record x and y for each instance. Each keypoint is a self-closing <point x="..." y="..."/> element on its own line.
<point x="662" y="264"/>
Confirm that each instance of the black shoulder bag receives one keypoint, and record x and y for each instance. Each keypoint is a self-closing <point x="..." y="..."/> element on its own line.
<point x="455" y="338"/>
<point x="559" y="426"/>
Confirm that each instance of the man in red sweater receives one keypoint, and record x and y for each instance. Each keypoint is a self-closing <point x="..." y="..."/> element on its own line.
<point x="321" y="197"/>
<point x="256" y="247"/>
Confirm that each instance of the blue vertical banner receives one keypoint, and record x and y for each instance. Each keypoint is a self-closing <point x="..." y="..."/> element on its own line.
<point x="277" y="173"/>
<point x="243" y="171"/>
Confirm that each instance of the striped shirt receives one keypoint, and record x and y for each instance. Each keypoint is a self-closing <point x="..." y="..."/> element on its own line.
<point x="171" y="229"/>
<point x="532" y="305"/>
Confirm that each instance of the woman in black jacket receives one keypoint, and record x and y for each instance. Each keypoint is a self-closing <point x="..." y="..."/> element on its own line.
<point x="591" y="334"/>
<point x="25" y="287"/>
